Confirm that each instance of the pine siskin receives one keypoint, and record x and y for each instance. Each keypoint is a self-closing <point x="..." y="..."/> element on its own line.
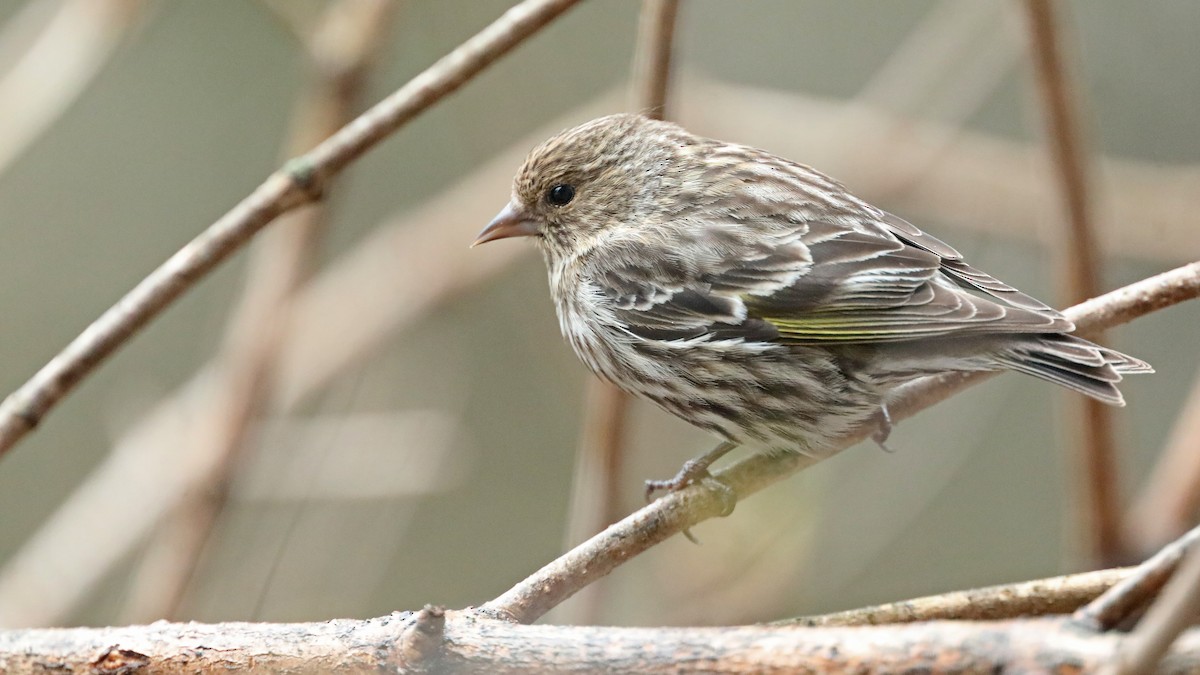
<point x="757" y="298"/>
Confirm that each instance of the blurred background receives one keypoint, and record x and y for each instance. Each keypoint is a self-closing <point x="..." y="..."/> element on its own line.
<point x="360" y="415"/>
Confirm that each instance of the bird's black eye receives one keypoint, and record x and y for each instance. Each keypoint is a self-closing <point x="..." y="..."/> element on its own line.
<point x="560" y="195"/>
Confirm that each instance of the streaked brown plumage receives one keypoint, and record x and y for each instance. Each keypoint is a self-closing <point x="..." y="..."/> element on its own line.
<point x="759" y="299"/>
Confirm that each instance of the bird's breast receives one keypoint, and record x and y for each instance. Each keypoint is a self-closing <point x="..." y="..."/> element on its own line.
<point x="588" y="325"/>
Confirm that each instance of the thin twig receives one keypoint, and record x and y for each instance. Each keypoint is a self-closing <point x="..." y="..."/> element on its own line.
<point x="1056" y="595"/>
<point x="343" y="47"/>
<point x="1170" y="498"/>
<point x="1068" y="149"/>
<point x="652" y="62"/>
<point x="299" y="182"/>
<point x="674" y="512"/>
<point x="1175" y="610"/>
<point x="1134" y="591"/>
<point x="596" y="492"/>
<point x="1095" y="450"/>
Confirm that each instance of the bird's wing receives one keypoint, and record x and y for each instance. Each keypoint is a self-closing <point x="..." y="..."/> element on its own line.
<point x="961" y="273"/>
<point x="822" y="283"/>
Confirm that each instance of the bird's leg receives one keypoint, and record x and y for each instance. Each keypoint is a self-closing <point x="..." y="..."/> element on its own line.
<point x="696" y="471"/>
<point x="883" y="428"/>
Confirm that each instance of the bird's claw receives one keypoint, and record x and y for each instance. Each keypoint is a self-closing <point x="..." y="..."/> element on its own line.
<point x="881" y="440"/>
<point x="883" y="429"/>
<point x="695" y="472"/>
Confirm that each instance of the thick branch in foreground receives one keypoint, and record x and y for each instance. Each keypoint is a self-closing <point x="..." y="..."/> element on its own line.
<point x="462" y="641"/>
<point x="598" y="556"/>
<point x="299" y="182"/>
<point x="434" y="640"/>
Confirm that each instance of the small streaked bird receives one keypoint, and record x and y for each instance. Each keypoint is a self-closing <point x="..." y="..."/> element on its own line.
<point x="759" y="299"/>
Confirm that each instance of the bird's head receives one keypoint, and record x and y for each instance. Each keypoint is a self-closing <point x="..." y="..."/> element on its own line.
<point x="589" y="183"/>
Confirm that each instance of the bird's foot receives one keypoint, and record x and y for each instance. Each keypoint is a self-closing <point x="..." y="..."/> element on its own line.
<point x="883" y="428"/>
<point x="695" y="472"/>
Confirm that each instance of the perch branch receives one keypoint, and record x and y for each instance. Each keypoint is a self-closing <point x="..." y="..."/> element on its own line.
<point x="299" y="182"/>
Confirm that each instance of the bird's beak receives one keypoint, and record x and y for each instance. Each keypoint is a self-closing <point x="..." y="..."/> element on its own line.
<point x="512" y="221"/>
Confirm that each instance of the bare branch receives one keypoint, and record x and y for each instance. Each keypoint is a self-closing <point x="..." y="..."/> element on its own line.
<point x="1080" y="258"/>
<point x="421" y="642"/>
<point x="672" y="513"/>
<point x="1056" y="595"/>
<point x="1137" y="299"/>
<point x="431" y="640"/>
<point x="652" y="64"/>
<point x="299" y="182"/>
<point x="1175" y="610"/>
<point x="1134" y="591"/>
<point x="915" y="636"/>
<point x="596" y="490"/>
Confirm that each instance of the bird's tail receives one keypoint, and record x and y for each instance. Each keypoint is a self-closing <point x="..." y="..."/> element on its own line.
<point x="1075" y="364"/>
